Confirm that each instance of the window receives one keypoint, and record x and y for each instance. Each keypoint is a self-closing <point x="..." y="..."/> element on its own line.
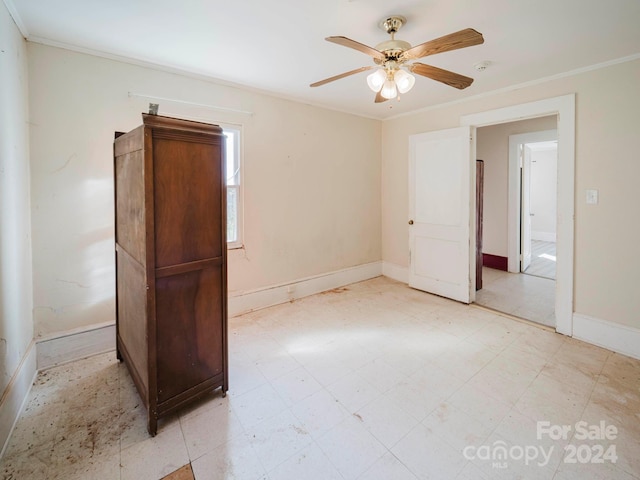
<point x="234" y="192"/>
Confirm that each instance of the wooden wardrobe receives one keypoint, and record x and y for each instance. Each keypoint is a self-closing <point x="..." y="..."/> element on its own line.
<point x="171" y="261"/>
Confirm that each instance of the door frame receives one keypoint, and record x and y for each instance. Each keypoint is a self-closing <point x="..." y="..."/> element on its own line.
<point x="515" y="192"/>
<point x="564" y="108"/>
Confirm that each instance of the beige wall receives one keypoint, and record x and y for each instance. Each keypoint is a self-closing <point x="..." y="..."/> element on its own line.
<point x="607" y="272"/>
<point x="311" y="179"/>
<point x="492" y="146"/>
<point x="16" y="321"/>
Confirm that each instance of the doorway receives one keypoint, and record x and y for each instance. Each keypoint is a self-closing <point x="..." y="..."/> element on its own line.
<point x="538" y="205"/>
<point x="457" y="149"/>
<point x="518" y="263"/>
<point x="564" y="108"/>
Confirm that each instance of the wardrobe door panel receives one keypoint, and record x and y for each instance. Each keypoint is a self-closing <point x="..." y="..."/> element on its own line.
<point x="188" y="188"/>
<point x="189" y="330"/>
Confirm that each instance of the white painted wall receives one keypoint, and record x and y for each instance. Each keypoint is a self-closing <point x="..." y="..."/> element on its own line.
<point x="607" y="274"/>
<point x="311" y="181"/>
<point x="544" y="178"/>
<point x="16" y="321"/>
<point x="492" y="146"/>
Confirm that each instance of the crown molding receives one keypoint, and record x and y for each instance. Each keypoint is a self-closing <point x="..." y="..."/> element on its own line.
<point x="510" y="88"/>
<point x="13" y="11"/>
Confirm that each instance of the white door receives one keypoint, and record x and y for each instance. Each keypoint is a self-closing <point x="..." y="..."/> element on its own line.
<point x="525" y="247"/>
<point x="439" y="213"/>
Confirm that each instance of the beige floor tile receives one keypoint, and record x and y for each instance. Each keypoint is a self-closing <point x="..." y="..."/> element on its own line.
<point x="310" y="463"/>
<point x="456" y="427"/>
<point x="36" y="464"/>
<point x="276" y="365"/>
<point x="372" y="381"/>
<point x="257" y="405"/>
<point x="472" y="472"/>
<point x="351" y="448"/>
<point x="487" y="410"/>
<point x="278" y="438"/>
<point x="210" y="426"/>
<point x="326" y="371"/>
<point x="155" y="457"/>
<point x="466" y="360"/>
<point x="507" y="389"/>
<point x="427" y="456"/>
<point x="244" y="377"/>
<point x="590" y="471"/>
<point x="319" y="413"/>
<point x="379" y="374"/>
<point x="527" y="296"/>
<point x="386" y="421"/>
<point x="353" y="392"/>
<point x="296" y="386"/>
<point x="386" y="468"/>
<point x="234" y="460"/>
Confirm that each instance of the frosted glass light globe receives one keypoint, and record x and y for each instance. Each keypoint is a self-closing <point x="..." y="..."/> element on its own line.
<point x="404" y="81"/>
<point x="376" y="80"/>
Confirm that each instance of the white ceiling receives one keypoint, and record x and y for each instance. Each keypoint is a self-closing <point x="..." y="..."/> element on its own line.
<point x="278" y="45"/>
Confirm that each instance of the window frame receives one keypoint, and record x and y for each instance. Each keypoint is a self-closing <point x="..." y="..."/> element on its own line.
<point x="239" y="160"/>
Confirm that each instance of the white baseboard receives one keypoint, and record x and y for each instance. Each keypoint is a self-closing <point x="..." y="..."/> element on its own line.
<point x="613" y="336"/>
<point x="244" y="302"/>
<point x="97" y="339"/>
<point x="76" y="345"/>
<point x="543" y="236"/>
<point x="16" y="394"/>
<point x="395" y="272"/>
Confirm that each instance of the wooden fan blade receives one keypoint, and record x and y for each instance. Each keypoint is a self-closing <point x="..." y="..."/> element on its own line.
<point x="342" y="75"/>
<point x="464" y="38"/>
<point x="380" y="98"/>
<point x="347" y="42"/>
<point x="445" y="76"/>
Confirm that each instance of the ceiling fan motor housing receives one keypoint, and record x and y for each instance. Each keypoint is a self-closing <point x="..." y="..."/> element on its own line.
<point x="392" y="23"/>
<point x="393" y="48"/>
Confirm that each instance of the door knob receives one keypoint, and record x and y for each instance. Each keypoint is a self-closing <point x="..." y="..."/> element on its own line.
<point x="410" y="222"/>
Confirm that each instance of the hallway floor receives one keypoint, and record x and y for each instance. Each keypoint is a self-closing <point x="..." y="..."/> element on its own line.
<point x="543" y="259"/>
<point x="525" y="296"/>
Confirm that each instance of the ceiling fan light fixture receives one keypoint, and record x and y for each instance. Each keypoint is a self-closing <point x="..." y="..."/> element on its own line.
<point x="376" y="80"/>
<point x="404" y="81"/>
<point x="389" y="89"/>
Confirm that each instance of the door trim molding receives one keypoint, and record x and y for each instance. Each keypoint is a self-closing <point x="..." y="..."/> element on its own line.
<point x="564" y="107"/>
<point x="513" y="202"/>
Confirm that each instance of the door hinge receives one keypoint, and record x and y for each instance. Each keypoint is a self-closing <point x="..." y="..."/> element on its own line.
<point x="521" y="257"/>
<point x="521" y="157"/>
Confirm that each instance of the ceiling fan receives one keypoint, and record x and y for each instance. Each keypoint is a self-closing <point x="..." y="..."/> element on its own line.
<point x="392" y="76"/>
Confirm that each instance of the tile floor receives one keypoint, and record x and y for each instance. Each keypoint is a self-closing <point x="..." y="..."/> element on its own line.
<point x="372" y="381"/>
<point x="525" y="296"/>
<point x="543" y="259"/>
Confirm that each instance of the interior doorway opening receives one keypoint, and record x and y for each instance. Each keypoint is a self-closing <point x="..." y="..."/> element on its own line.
<point x="538" y="208"/>
<point x="519" y="218"/>
<point x="455" y="149"/>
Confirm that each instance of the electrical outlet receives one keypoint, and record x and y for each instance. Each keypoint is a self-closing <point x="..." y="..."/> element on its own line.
<point x="592" y="197"/>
